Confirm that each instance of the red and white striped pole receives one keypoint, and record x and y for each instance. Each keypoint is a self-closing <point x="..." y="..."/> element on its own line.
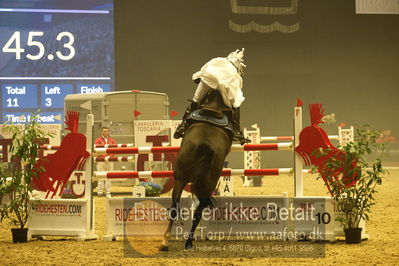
<point x="234" y="147"/>
<point x="277" y="138"/>
<point x="115" y="159"/>
<point x="49" y="148"/>
<point x="290" y="138"/>
<point x="114" y="145"/>
<point x="137" y="150"/>
<point x="165" y="174"/>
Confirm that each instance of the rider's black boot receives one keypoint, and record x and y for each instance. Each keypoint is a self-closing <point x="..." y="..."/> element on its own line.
<point x="184" y="123"/>
<point x="238" y="134"/>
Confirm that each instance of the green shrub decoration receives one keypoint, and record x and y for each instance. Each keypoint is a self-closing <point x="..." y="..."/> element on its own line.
<point x="151" y="189"/>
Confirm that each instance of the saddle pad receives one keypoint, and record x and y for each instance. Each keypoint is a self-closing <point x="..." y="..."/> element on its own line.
<point x="210" y="119"/>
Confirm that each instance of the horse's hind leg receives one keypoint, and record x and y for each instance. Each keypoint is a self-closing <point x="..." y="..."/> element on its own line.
<point x="204" y="202"/>
<point x="176" y="194"/>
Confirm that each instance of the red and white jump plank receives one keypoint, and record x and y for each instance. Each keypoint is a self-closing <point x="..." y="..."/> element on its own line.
<point x="165" y="174"/>
<point x="234" y="147"/>
<point x="291" y="138"/>
<point x="114" y="145"/>
<point x="170" y="173"/>
<point x="128" y="149"/>
<point x="262" y="147"/>
<point x="115" y="159"/>
<point x="49" y="147"/>
<point x="53" y="148"/>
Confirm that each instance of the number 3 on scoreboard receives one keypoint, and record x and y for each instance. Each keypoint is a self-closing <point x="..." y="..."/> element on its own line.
<point x="48" y="102"/>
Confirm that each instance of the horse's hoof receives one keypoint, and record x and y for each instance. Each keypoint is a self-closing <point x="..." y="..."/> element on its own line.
<point x="188" y="246"/>
<point x="163" y="248"/>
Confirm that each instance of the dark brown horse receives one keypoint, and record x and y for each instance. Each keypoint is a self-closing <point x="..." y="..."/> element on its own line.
<point x="200" y="161"/>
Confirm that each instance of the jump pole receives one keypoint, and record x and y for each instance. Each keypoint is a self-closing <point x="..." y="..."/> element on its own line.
<point x="234" y="148"/>
<point x="298" y="162"/>
<point x="290" y="138"/>
<point x="166" y="174"/>
<point x="88" y="178"/>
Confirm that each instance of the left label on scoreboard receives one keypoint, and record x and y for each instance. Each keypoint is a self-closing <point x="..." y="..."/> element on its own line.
<point x="53" y="95"/>
<point x="19" y="96"/>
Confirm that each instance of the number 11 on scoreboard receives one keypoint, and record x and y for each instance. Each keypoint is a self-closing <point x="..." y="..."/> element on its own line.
<point x="12" y="102"/>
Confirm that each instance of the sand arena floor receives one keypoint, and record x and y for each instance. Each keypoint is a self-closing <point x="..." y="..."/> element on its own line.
<point x="381" y="249"/>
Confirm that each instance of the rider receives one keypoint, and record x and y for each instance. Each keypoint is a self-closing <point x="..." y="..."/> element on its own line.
<point x="223" y="74"/>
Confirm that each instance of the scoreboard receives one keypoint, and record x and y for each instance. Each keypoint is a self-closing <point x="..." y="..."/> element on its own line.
<point x="49" y="49"/>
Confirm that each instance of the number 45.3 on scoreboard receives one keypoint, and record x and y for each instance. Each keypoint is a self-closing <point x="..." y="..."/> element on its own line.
<point x="13" y="45"/>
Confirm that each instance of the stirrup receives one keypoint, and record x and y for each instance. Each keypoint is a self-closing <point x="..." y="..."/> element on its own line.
<point x="179" y="133"/>
<point x="241" y="138"/>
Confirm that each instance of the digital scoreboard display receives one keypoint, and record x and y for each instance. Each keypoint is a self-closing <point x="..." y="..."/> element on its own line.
<point x="51" y="48"/>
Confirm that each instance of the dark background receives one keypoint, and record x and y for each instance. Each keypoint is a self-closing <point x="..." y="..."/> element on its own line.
<point x="345" y="61"/>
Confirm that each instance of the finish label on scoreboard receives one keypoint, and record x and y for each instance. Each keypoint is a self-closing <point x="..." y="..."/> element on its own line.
<point x="19" y="96"/>
<point x="93" y="88"/>
<point x="53" y="95"/>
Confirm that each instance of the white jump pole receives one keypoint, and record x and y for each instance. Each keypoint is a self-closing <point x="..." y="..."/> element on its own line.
<point x="298" y="163"/>
<point x="290" y="138"/>
<point x="88" y="177"/>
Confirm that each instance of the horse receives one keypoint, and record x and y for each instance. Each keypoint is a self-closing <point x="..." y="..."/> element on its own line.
<point x="205" y="145"/>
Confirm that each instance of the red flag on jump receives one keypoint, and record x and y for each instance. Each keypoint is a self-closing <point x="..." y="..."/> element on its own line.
<point x="136" y="113"/>
<point x="299" y="102"/>
<point x="173" y="114"/>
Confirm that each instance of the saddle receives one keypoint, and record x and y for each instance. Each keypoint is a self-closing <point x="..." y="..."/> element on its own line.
<point x="213" y="110"/>
<point x="205" y="116"/>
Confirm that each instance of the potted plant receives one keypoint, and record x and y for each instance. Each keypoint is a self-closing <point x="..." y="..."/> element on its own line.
<point x="151" y="189"/>
<point x="3" y="187"/>
<point x="354" y="201"/>
<point x="15" y="182"/>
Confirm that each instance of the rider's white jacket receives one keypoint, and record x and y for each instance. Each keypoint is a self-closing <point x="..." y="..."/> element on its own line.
<point x="220" y="74"/>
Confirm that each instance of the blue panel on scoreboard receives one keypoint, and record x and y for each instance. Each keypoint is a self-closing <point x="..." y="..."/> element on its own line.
<point x="53" y="95"/>
<point x="23" y="117"/>
<point x="18" y="96"/>
<point x="48" y="48"/>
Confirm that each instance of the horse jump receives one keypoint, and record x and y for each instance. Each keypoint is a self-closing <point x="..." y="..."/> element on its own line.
<point x="160" y="174"/>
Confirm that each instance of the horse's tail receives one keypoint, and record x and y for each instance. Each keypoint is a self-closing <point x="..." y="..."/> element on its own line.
<point x="201" y="170"/>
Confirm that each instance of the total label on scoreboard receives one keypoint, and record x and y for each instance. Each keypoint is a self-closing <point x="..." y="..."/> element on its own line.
<point x="19" y="96"/>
